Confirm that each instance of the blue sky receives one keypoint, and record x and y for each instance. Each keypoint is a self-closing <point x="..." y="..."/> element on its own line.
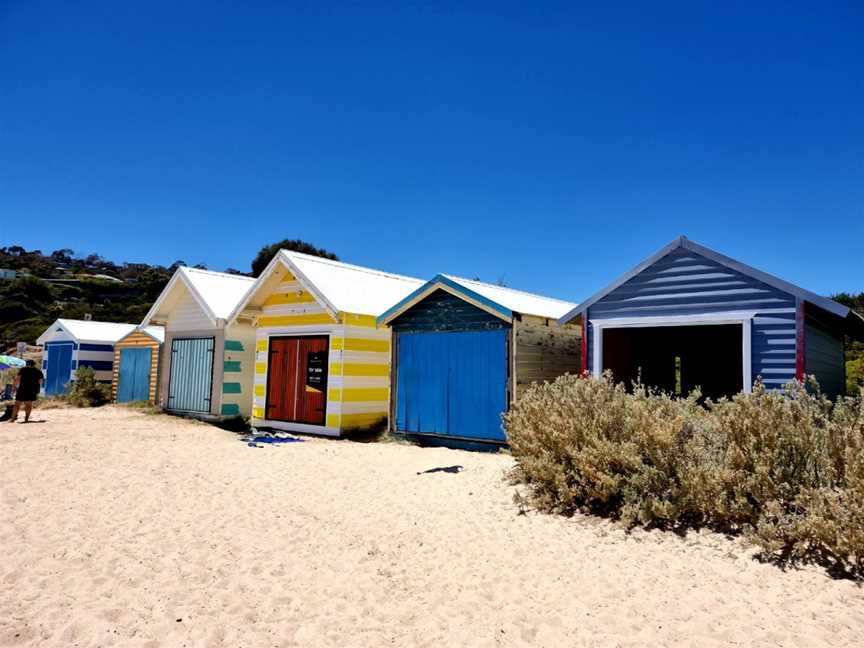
<point x="553" y="146"/>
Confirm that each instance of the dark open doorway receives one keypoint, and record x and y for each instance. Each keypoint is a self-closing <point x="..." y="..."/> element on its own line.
<point x="677" y="359"/>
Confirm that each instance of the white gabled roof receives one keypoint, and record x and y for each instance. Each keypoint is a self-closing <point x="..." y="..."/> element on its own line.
<point x="217" y="293"/>
<point x="156" y="332"/>
<point x="88" y="331"/>
<point x="341" y="287"/>
<point x="221" y="292"/>
<point x="517" y="301"/>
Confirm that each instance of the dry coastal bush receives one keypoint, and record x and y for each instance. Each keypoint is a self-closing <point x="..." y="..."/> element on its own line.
<point x="86" y="391"/>
<point x="785" y="468"/>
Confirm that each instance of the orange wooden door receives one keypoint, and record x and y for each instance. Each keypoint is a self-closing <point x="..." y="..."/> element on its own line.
<point x="312" y="382"/>
<point x="297" y="380"/>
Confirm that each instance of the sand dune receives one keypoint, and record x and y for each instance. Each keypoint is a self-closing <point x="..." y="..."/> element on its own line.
<point x="122" y="529"/>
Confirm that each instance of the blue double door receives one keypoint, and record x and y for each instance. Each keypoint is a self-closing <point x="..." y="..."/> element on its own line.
<point x="452" y="383"/>
<point x="59" y="371"/>
<point x="133" y="383"/>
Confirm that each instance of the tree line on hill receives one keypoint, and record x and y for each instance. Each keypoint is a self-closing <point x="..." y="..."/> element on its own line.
<point x="61" y="284"/>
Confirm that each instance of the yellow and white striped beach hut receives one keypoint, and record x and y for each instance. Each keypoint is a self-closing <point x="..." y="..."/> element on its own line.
<point x="322" y="363"/>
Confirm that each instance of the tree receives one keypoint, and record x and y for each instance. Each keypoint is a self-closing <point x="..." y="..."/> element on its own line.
<point x="854" y="348"/>
<point x="265" y="256"/>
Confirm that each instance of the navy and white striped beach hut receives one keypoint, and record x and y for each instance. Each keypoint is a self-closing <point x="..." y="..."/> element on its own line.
<point x="688" y="317"/>
<point x="70" y="344"/>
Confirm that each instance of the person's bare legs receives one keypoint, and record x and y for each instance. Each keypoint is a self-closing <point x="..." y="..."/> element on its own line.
<point x="15" y="409"/>
<point x="28" y="407"/>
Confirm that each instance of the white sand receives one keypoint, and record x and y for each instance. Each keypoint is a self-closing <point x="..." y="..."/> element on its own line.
<point x="114" y="525"/>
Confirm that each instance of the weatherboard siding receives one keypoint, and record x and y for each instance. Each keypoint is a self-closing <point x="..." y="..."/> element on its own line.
<point x="687" y="283"/>
<point x="824" y="357"/>
<point x="358" y="380"/>
<point x="187" y="314"/>
<point x="544" y="351"/>
<point x="137" y="340"/>
<point x="238" y="370"/>
<point x="442" y="311"/>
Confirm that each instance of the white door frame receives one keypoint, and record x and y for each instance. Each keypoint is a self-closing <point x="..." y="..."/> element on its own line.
<point x="744" y="318"/>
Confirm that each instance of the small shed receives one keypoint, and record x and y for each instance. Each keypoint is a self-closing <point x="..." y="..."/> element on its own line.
<point x="464" y="350"/>
<point x="689" y="317"/>
<point x="206" y="362"/>
<point x="136" y="365"/>
<point x="70" y="344"/>
<point x="323" y="363"/>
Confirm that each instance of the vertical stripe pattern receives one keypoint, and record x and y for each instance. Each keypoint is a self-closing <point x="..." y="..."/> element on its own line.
<point x="191" y="379"/>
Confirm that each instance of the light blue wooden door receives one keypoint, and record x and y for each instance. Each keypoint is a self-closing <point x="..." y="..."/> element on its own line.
<point x="191" y="377"/>
<point x="134" y="378"/>
<point x="59" y="368"/>
<point x="452" y="384"/>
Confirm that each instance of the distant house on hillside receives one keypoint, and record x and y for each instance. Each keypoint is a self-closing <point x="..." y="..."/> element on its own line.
<point x="7" y="274"/>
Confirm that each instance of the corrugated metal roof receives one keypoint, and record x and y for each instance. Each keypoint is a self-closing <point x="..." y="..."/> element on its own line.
<point x="517" y="301"/>
<point x="220" y="292"/>
<point x="351" y="288"/>
<point x="90" y="331"/>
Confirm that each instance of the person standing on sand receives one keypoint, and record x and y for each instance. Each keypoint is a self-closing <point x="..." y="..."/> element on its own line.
<point x="27" y="385"/>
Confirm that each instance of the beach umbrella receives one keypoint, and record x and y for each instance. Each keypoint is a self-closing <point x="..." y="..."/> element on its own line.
<point x="8" y="362"/>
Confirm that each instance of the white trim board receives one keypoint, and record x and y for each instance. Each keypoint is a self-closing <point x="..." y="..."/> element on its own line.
<point x="744" y="318"/>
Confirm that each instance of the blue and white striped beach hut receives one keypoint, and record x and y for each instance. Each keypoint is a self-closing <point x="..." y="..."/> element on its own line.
<point x="689" y="317"/>
<point x="70" y="344"/>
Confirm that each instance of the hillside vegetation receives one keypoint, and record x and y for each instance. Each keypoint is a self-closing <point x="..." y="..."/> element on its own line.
<point x="62" y="284"/>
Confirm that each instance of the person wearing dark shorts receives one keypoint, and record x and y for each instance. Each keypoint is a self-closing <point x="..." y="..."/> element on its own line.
<point x="28" y="383"/>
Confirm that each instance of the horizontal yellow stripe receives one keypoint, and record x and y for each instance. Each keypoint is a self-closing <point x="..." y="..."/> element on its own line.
<point x="295" y="320"/>
<point x="334" y="395"/>
<point x="337" y="343"/>
<point x="288" y="278"/>
<point x="333" y="420"/>
<point x="278" y="299"/>
<point x="259" y="390"/>
<point x="365" y="394"/>
<point x="260" y="367"/>
<point x="359" y="369"/>
<point x="258" y="412"/>
<point x="353" y="319"/>
<point x="261" y="345"/>
<point x="362" y="344"/>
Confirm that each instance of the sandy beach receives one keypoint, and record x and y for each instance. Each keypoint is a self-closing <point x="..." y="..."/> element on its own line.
<point x="120" y="528"/>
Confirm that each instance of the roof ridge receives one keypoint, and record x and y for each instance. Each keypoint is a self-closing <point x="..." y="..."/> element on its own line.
<point x="343" y="264"/>
<point x="515" y="290"/>
<point x="217" y="273"/>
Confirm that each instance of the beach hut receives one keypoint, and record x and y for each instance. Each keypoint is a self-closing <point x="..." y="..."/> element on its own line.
<point x="688" y="316"/>
<point x="464" y="350"/>
<point x="69" y="344"/>
<point x="323" y="364"/>
<point x="207" y="362"/>
<point x="136" y="365"/>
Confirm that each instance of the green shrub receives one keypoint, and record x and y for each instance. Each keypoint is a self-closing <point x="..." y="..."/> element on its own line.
<point x="785" y="468"/>
<point x="86" y="391"/>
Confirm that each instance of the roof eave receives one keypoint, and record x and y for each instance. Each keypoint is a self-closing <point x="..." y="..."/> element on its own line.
<point x="439" y="282"/>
